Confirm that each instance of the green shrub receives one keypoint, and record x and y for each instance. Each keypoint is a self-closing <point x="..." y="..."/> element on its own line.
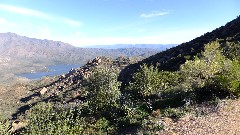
<point x="197" y="72"/>
<point x="175" y="113"/>
<point x="44" y="118"/>
<point x="134" y="115"/>
<point x="212" y="74"/>
<point x="98" y="127"/>
<point x="152" y="125"/>
<point x="229" y="79"/>
<point x="149" y="81"/>
<point x="5" y="127"/>
<point x="103" y="91"/>
<point x="146" y="81"/>
<point x="232" y="50"/>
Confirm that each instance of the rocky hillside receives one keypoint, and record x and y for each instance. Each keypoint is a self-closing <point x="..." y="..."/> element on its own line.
<point x="171" y="59"/>
<point x="66" y="88"/>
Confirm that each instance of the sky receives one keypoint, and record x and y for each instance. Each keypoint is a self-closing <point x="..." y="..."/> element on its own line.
<point x="107" y="22"/>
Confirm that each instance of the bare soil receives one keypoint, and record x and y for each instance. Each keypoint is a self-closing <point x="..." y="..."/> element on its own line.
<point x="225" y="119"/>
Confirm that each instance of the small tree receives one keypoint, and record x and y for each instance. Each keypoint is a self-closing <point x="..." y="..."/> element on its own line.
<point x="197" y="72"/>
<point x="229" y="79"/>
<point x="104" y="90"/>
<point x="212" y="72"/>
<point x="149" y="81"/>
<point x="146" y="81"/>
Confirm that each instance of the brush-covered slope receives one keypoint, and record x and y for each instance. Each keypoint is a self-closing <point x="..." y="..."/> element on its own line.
<point x="171" y="59"/>
<point x="67" y="88"/>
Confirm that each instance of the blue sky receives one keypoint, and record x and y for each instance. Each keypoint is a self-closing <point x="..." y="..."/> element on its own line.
<point x="105" y="22"/>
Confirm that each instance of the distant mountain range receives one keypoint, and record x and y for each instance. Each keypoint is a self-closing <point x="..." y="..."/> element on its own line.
<point x="20" y="53"/>
<point x="159" y="47"/>
<point x="13" y="45"/>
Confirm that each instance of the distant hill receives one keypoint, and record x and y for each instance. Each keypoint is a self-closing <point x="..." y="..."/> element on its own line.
<point x="13" y="45"/>
<point x="159" y="47"/>
<point x="22" y="53"/>
<point x="171" y="59"/>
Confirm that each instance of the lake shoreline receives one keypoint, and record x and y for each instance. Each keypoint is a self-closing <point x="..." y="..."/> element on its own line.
<point x="52" y="70"/>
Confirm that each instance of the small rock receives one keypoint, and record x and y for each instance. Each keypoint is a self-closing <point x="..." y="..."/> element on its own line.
<point x="43" y="91"/>
<point x="17" y="125"/>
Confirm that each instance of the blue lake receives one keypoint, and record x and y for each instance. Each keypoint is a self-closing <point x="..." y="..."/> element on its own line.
<point x="53" y="71"/>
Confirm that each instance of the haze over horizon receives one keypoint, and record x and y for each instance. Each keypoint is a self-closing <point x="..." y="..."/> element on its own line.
<point x="106" y="22"/>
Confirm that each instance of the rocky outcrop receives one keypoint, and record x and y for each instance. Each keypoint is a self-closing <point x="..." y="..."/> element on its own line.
<point x="67" y="85"/>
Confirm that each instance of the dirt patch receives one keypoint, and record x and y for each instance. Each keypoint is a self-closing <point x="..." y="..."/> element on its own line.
<point x="226" y="120"/>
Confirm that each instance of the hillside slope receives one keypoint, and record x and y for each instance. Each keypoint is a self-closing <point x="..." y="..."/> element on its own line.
<point x="172" y="58"/>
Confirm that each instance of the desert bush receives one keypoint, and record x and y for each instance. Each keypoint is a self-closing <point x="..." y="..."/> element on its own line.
<point x="103" y="91"/>
<point x="44" y="118"/>
<point x="134" y="116"/>
<point x="146" y="81"/>
<point x="149" y="81"/>
<point x="98" y="127"/>
<point x="231" y="50"/>
<point x="151" y="125"/>
<point x="212" y="74"/>
<point x="229" y="79"/>
<point x="197" y="72"/>
<point x="5" y="127"/>
<point x="175" y="113"/>
<point x="142" y="93"/>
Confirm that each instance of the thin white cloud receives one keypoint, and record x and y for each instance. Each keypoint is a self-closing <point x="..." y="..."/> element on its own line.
<point x="7" y="23"/>
<point x="72" y="22"/>
<point x="23" y="11"/>
<point x="2" y="20"/>
<point x="35" y="13"/>
<point x="154" y="14"/>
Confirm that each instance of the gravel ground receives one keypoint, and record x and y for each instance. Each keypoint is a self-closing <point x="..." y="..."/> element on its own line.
<point x="225" y="119"/>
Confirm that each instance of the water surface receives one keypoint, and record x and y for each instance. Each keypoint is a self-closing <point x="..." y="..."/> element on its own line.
<point x="53" y="71"/>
